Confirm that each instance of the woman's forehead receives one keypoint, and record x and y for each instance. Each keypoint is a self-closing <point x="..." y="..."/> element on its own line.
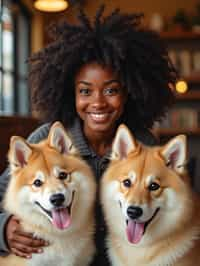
<point x="95" y="70"/>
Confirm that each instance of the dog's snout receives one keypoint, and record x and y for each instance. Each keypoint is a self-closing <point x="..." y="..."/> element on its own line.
<point x="134" y="212"/>
<point x="57" y="199"/>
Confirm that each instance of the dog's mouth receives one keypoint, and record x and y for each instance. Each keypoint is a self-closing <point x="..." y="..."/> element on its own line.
<point x="60" y="217"/>
<point x="135" y="230"/>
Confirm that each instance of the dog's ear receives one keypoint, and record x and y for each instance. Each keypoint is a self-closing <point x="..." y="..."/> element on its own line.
<point x="123" y="143"/>
<point x="175" y="153"/>
<point x="19" y="152"/>
<point x="59" y="139"/>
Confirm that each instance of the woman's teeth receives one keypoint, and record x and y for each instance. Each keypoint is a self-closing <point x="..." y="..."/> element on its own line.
<point x="99" y="116"/>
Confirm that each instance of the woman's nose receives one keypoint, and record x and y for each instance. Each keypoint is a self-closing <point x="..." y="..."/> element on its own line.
<point x="99" y="100"/>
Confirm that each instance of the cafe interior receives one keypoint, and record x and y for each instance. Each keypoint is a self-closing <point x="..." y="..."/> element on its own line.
<point x="24" y="31"/>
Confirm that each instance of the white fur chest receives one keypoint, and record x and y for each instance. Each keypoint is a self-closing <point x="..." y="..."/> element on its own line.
<point x="164" y="253"/>
<point x="65" y="252"/>
<point x="48" y="258"/>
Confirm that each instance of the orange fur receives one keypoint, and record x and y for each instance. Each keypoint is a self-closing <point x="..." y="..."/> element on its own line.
<point x="68" y="246"/>
<point x="172" y="237"/>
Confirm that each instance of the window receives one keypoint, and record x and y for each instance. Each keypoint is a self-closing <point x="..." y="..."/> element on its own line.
<point x="14" y="51"/>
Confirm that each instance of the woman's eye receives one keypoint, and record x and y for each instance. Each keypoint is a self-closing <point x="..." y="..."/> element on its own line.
<point x="63" y="175"/>
<point x="37" y="183"/>
<point x="127" y="182"/>
<point x="111" y="91"/>
<point x="84" y="91"/>
<point x="154" y="186"/>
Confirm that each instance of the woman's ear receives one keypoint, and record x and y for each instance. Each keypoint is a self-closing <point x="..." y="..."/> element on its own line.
<point x="125" y="94"/>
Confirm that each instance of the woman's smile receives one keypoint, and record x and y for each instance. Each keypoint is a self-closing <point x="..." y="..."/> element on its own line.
<point x="99" y="117"/>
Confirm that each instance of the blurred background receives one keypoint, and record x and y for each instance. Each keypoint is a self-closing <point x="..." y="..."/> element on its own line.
<point x="23" y="31"/>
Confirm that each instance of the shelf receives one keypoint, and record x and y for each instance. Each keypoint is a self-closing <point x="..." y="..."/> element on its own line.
<point x="187" y="40"/>
<point x="190" y="95"/>
<point x="193" y="78"/>
<point x="180" y="35"/>
<point x="176" y="131"/>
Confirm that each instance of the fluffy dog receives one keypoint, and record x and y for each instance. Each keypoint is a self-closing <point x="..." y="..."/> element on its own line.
<point x="52" y="190"/>
<point x="153" y="216"/>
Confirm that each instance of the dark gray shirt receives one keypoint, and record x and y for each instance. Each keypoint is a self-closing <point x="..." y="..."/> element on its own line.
<point x="98" y="165"/>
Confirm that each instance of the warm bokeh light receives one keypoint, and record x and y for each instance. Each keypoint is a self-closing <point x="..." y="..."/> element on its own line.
<point x="181" y="86"/>
<point x="51" y="5"/>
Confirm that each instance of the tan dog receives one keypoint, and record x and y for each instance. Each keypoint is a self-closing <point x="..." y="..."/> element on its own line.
<point x="152" y="214"/>
<point x="52" y="190"/>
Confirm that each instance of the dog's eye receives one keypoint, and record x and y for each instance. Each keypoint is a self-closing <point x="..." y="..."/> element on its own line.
<point x="127" y="182"/>
<point x="37" y="183"/>
<point x="63" y="175"/>
<point x="153" y="186"/>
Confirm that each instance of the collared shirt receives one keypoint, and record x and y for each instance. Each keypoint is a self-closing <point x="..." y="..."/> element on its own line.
<point x="98" y="165"/>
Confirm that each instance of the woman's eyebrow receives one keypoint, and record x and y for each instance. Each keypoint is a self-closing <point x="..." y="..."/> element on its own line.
<point x="108" y="82"/>
<point x="112" y="81"/>
<point x="83" y="82"/>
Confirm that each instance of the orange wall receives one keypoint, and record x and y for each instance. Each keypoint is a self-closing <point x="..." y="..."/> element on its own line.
<point x="166" y="8"/>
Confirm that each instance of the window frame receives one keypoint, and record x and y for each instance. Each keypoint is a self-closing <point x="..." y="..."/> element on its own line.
<point x="18" y="12"/>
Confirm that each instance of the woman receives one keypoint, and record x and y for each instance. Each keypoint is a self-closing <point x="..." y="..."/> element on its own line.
<point x="93" y="77"/>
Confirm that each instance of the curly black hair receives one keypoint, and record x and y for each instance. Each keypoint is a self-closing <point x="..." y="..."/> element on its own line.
<point x="117" y="40"/>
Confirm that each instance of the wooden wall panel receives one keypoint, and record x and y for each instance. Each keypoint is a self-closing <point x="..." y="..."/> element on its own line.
<point x="9" y="126"/>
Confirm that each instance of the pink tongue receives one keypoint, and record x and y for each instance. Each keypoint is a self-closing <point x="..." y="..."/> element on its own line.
<point x="134" y="231"/>
<point x="61" y="218"/>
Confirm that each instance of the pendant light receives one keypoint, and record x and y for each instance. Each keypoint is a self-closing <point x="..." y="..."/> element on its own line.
<point x="51" y="5"/>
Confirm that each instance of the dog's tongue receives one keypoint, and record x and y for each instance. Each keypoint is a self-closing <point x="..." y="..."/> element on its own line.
<point x="61" y="218"/>
<point x="134" y="231"/>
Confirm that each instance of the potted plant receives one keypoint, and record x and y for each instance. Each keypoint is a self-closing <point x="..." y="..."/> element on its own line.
<point x="195" y="21"/>
<point x="181" y="20"/>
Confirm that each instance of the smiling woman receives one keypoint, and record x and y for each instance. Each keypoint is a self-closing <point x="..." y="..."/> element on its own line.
<point x="100" y="100"/>
<point x="94" y="76"/>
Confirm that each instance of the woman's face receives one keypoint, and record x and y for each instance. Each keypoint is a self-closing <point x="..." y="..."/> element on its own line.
<point x="100" y="98"/>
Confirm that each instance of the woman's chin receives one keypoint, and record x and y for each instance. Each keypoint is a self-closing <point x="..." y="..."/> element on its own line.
<point x="100" y="128"/>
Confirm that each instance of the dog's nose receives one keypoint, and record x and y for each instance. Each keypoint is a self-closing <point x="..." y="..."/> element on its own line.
<point x="57" y="199"/>
<point x="134" y="212"/>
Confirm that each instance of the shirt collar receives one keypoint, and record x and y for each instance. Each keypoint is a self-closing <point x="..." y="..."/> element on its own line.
<point x="81" y="143"/>
<point x="79" y="139"/>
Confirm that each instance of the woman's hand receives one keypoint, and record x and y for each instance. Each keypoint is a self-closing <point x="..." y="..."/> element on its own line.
<point x="21" y="243"/>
